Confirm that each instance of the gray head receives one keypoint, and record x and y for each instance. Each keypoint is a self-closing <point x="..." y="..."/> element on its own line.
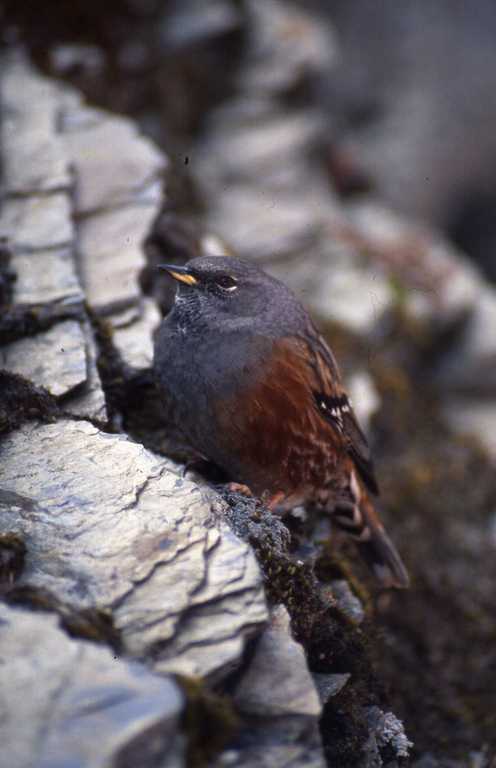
<point x="221" y="292"/>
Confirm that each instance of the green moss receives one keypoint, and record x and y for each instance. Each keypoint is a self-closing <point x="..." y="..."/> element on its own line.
<point x="89" y="624"/>
<point x="21" y="401"/>
<point x="209" y="721"/>
<point x="12" y="555"/>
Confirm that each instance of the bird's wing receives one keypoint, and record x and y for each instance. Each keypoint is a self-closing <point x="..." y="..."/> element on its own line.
<point x="334" y="404"/>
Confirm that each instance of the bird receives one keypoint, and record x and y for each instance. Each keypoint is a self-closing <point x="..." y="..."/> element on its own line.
<point x="255" y="389"/>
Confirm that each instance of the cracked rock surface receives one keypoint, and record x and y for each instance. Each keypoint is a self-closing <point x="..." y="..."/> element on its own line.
<point x="71" y="702"/>
<point x="109" y="526"/>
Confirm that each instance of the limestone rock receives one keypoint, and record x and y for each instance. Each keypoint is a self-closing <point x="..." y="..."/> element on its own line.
<point x="472" y="416"/>
<point x="112" y="257"/>
<point x="280" y="704"/>
<point x="440" y="284"/>
<point x="66" y="701"/>
<point x="54" y="359"/>
<point x="469" y="367"/>
<point x="89" y="401"/>
<point x="134" y="340"/>
<point x="190" y="22"/>
<point x="106" y="179"/>
<point x="46" y="276"/>
<point x="330" y="685"/>
<point x="386" y="733"/>
<point x="38" y="222"/>
<point x="33" y="158"/>
<point x="112" y="526"/>
<point x="278" y="682"/>
<point x="288" y="47"/>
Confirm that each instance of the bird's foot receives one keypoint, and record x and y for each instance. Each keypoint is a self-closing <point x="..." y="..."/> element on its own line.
<point x="240" y="488"/>
<point x="271" y="501"/>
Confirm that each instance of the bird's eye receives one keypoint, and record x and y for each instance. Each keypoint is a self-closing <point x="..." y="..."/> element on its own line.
<point x="227" y="283"/>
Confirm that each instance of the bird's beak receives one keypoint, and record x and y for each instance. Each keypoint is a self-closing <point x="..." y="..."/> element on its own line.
<point x="181" y="274"/>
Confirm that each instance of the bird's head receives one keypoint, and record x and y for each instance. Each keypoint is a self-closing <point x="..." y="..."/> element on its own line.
<point x="222" y="291"/>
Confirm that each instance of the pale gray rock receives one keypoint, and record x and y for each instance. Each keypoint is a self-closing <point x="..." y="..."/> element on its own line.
<point x="89" y="401"/>
<point x="90" y="58"/>
<point x="110" y="245"/>
<point x="283" y="742"/>
<point x="33" y="158"/>
<point x="134" y="340"/>
<point x="469" y="367"/>
<point x="286" y="47"/>
<point x="262" y="224"/>
<point x="441" y="285"/>
<point x="277" y="682"/>
<point x="114" y="165"/>
<point x="112" y="526"/>
<point x="346" y="291"/>
<point x="330" y="685"/>
<point x="125" y="317"/>
<point x="38" y="222"/>
<point x="189" y="22"/>
<point x="259" y="152"/>
<point x="364" y="396"/>
<point x="346" y="600"/>
<point x="76" y="115"/>
<point x="468" y="415"/>
<point x="70" y="702"/>
<point x="44" y="277"/>
<point x="386" y="731"/>
<point x="54" y="359"/>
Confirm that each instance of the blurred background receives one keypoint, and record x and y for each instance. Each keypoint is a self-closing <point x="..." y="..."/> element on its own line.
<point x="350" y="147"/>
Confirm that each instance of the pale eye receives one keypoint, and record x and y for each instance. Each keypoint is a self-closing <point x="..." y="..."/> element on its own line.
<point x="227" y="283"/>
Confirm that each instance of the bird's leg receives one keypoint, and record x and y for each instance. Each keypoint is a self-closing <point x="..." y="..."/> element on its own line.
<point x="271" y="502"/>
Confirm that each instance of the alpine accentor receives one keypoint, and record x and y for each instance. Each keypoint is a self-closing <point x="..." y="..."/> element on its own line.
<point x="255" y="389"/>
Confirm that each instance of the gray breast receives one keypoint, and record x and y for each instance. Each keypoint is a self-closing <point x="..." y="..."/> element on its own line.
<point x="196" y="372"/>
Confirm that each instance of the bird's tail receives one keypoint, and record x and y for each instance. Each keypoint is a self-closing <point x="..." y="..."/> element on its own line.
<point x="362" y="523"/>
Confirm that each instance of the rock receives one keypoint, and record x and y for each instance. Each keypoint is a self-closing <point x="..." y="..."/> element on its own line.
<point x="277" y="682"/>
<point x="346" y="600"/>
<point x="134" y="340"/>
<point x="256" y="151"/>
<point x="279" y="703"/>
<point x="46" y="276"/>
<point x="65" y="59"/>
<point x="33" y="158"/>
<point x="278" y="743"/>
<point x="469" y="366"/>
<point x="405" y="120"/>
<point x="386" y="732"/>
<point x="189" y="22"/>
<point x="54" y="359"/>
<point x="111" y="256"/>
<point x="330" y="685"/>
<point x="472" y="416"/>
<point x="264" y="224"/>
<point x="37" y="223"/>
<point x="66" y="701"/>
<point x="287" y="47"/>
<point x="343" y="290"/>
<point x="129" y="173"/>
<point x="113" y="527"/>
<point x="364" y="396"/>
<point x="441" y="285"/>
<point x="89" y="402"/>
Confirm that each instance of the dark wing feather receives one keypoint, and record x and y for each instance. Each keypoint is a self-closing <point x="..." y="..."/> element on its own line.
<point x="336" y="408"/>
<point x="360" y="452"/>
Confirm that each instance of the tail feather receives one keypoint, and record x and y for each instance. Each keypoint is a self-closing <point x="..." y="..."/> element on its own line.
<point x="383" y="559"/>
<point x="362" y="523"/>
